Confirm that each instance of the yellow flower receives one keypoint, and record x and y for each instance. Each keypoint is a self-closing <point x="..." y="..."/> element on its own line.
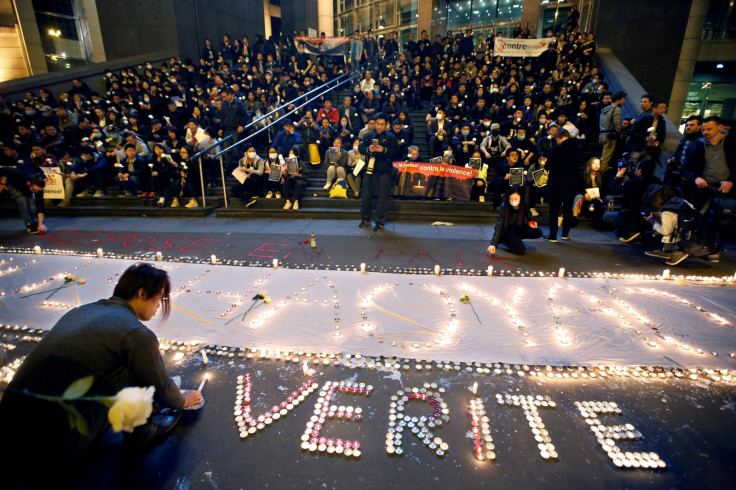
<point x="132" y="408"/>
<point x="267" y="299"/>
<point x="82" y="281"/>
<point x="262" y="294"/>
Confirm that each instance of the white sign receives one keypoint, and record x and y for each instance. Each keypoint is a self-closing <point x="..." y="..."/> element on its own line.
<point x="521" y="47"/>
<point x="54" y="183"/>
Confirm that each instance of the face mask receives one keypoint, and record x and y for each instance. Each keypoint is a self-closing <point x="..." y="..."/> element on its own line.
<point x="487" y="124"/>
<point x="495" y="132"/>
<point x="520" y="138"/>
<point x="514" y="203"/>
<point x="440" y="117"/>
<point x="542" y="121"/>
<point x="448" y="154"/>
<point x="85" y="158"/>
<point x="272" y="156"/>
<point x="251" y="154"/>
<point x="355" y="147"/>
<point x="465" y="133"/>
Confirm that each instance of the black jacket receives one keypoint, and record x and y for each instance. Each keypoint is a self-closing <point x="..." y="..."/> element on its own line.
<point x="563" y="164"/>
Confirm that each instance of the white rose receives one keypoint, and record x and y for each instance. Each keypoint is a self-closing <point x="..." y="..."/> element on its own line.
<point x="132" y="408"/>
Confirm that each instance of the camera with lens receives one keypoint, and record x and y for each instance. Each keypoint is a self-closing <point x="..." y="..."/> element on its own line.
<point x="630" y="165"/>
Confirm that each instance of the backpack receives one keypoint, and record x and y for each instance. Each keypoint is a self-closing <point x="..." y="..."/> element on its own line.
<point x="691" y="226"/>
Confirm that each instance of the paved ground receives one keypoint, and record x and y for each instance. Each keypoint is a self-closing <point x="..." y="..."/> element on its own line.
<point x="688" y="423"/>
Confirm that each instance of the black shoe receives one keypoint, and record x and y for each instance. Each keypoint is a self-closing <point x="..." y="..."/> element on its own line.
<point x="565" y="237"/>
<point x="32" y="228"/>
<point x="677" y="257"/>
<point x="629" y="237"/>
<point x="549" y="238"/>
<point x="364" y="224"/>
<point x="160" y="426"/>
<point x="378" y="227"/>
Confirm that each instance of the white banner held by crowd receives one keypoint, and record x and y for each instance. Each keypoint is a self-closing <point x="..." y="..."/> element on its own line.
<point x="521" y="47"/>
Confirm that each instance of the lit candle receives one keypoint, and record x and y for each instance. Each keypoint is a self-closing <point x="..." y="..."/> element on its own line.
<point x="37" y="250"/>
<point x="490" y="270"/>
<point x="362" y="268"/>
<point x="474" y="388"/>
<point x="665" y="274"/>
<point x="437" y="270"/>
<point x="99" y="253"/>
<point x="562" y="272"/>
<point x="159" y="256"/>
<point x="275" y="263"/>
<point x="213" y="259"/>
<point x="305" y="368"/>
<point x="204" y="382"/>
<point x="204" y="356"/>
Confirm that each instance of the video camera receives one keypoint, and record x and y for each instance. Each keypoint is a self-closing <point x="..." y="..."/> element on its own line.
<point x="630" y="165"/>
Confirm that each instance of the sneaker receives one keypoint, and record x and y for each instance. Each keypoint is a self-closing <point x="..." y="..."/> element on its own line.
<point x="175" y="203"/>
<point x="191" y="204"/>
<point x="364" y="224"/>
<point x="287" y="204"/>
<point x="160" y="202"/>
<point x="278" y="195"/>
<point x="534" y="212"/>
<point x="659" y="254"/>
<point x="481" y="199"/>
<point x="629" y="237"/>
<point x="98" y="194"/>
<point x="577" y="205"/>
<point x="82" y="194"/>
<point x="327" y="186"/>
<point x="549" y="238"/>
<point x="565" y="237"/>
<point x="251" y="203"/>
<point x="378" y="227"/>
<point x="32" y="228"/>
<point x="296" y="205"/>
<point x="64" y="203"/>
<point x="269" y="195"/>
<point x="715" y="258"/>
<point x="677" y="257"/>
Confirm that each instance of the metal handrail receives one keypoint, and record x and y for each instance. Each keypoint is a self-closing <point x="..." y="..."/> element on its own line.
<point x="252" y="123"/>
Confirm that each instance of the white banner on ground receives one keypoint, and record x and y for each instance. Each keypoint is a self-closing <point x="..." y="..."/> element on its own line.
<point x="521" y="47"/>
<point x="54" y="183"/>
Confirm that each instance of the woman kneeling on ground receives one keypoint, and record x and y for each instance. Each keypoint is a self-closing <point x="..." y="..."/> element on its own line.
<point x="514" y="224"/>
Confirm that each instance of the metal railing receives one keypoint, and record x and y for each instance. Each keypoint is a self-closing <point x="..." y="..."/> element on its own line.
<point x="316" y="92"/>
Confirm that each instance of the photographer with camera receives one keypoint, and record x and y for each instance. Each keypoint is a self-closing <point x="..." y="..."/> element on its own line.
<point x="674" y="163"/>
<point x="628" y="221"/>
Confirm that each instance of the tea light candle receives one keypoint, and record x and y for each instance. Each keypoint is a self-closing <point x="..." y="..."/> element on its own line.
<point x="37" y="250"/>
<point x="204" y="356"/>
<point x="213" y="259"/>
<point x="362" y="268"/>
<point x="665" y="274"/>
<point x="490" y="270"/>
<point x="474" y="388"/>
<point x="437" y="270"/>
<point x="275" y="263"/>
<point x="159" y="256"/>
<point x="99" y="253"/>
<point x="561" y="273"/>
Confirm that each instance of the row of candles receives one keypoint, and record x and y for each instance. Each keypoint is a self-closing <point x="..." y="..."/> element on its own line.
<point x="358" y="361"/>
<point x="437" y="270"/>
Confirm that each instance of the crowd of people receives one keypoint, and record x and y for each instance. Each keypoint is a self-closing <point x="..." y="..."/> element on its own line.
<point x="503" y="116"/>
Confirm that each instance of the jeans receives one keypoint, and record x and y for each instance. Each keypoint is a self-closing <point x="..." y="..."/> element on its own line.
<point x="381" y="185"/>
<point x="26" y="204"/>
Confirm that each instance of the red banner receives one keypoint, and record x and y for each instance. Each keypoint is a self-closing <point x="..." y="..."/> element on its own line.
<point x="434" y="180"/>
